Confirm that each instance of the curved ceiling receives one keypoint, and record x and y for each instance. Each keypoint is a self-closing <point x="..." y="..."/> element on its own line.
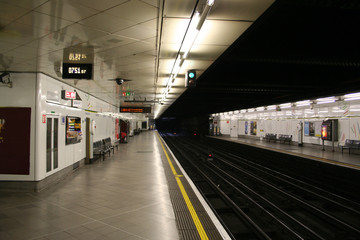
<point x="248" y="53"/>
<point x="296" y="50"/>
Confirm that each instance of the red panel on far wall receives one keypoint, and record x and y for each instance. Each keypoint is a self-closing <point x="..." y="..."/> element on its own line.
<point x="15" y="140"/>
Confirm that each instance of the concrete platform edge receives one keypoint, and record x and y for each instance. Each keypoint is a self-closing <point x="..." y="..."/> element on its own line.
<point x="207" y="208"/>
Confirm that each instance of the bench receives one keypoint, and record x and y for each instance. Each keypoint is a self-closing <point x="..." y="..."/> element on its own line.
<point x="350" y="144"/>
<point x="108" y="145"/>
<point x="285" y="138"/>
<point x="98" y="149"/>
<point x="270" y="136"/>
<point x="103" y="146"/>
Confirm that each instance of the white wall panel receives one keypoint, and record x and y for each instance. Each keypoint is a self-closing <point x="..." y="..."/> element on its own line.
<point x="344" y="130"/>
<point x="22" y="94"/>
<point x="241" y="128"/>
<point x="355" y="128"/>
<point x="225" y="126"/>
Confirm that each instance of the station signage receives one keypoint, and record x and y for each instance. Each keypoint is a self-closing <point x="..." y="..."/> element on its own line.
<point x="135" y="109"/>
<point x="68" y="95"/>
<point x="77" y="71"/>
<point x="78" y="63"/>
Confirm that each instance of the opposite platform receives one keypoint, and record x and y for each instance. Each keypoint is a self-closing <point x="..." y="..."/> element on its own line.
<point x="311" y="152"/>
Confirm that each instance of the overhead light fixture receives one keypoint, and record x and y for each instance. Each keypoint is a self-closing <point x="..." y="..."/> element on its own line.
<point x="303" y="103"/>
<point x="193" y="30"/>
<point x="259" y="109"/>
<point x="271" y="107"/>
<point x="326" y="100"/>
<point x="352" y="96"/>
<point x="285" y="105"/>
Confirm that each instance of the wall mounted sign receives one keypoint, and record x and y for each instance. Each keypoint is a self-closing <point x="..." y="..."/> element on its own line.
<point x="77" y="71"/>
<point x="78" y="63"/>
<point x="68" y="95"/>
<point x="135" y="109"/>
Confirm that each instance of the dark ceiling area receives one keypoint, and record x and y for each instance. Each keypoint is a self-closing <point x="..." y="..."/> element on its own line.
<point x="296" y="50"/>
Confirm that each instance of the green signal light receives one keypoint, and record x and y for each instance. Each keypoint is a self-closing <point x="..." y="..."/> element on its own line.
<point x="191" y="75"/>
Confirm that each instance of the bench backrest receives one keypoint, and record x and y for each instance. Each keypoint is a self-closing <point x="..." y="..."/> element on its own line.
<point x="348" y="142"/>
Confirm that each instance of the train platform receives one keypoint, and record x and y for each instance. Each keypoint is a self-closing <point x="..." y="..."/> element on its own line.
<point x="139" y="192"/>
<point x="314" y="152"/>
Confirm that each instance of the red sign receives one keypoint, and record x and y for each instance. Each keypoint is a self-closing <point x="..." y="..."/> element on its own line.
<point x="43" y="118"/>
<point x="70" y="95"/>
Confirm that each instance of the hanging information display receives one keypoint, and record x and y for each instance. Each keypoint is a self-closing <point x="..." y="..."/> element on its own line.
<point x="135" y="109"/>
<point x="78" y="63"/>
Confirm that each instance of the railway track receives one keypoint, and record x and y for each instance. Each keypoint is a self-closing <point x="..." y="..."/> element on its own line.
<point x="266" y="204"/>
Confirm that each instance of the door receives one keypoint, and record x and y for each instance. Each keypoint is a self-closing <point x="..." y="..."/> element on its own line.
<point x="52" y="140"/>
<point x="234" y="128"/>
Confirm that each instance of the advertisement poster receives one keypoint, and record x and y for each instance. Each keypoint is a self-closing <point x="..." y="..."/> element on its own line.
<point x="307" y="128"/>
<point x="15" y="140"/>
<point x="253" y="128"/>
<point x="246" y="128"/>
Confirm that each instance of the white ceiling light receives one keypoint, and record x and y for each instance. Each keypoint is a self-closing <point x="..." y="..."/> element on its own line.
<point x="352" y="96"/>
<point x="285" y="105"/>
<point x="194" y="28"/>
<point x="271" y="107"/>
<point x="303" y="103"/>
<point x="326" y="100"/>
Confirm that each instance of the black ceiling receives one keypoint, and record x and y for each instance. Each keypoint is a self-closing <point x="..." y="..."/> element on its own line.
<point x="297" y="50"/>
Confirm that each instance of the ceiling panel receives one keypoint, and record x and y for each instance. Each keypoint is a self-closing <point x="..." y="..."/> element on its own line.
<point x="106" y="22"/>
<point x="66" y="9"/>
<point x="133" y="39"/>
<point x="138" y="32"/>
<point x="24" y="3"/>
<point x="12" y="13"/>
<point x="100" y="5"/>
<point x="135" y="10"/>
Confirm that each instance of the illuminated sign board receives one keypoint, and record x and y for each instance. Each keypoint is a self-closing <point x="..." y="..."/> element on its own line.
<point x="135" y="109"/>
<point x="68" y="95"/>
<point x="78" y="55"/>
<point x="77" y="71"/>
<point x="78" y="63"/>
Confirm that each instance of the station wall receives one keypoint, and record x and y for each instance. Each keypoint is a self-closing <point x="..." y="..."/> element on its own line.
<point x="21" y="95"/>
<point x="41" y="94"/>
<point x="286" y="121"/>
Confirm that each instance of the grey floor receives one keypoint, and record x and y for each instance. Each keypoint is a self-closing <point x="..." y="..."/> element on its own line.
<point x="310" y="151"/>
<point x="124" y="197"/>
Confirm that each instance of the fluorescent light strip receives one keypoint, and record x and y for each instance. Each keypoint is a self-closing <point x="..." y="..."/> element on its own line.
<point x="352" y="95"/>
<point x="352" y="98"/>
<point x="196" y="23"/>
<point x="322" y="102"/>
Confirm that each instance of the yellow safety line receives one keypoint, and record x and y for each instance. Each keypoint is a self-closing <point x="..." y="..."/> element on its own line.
<point x="189" y="205"/>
